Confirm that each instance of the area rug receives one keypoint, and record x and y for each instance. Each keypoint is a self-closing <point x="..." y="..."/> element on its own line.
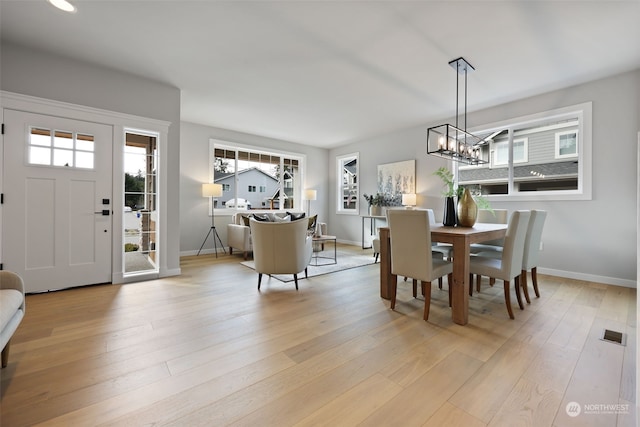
<point x="346" y="261"/>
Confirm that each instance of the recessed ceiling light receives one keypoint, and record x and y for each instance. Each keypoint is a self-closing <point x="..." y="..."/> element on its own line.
<point x="63" y="5"/>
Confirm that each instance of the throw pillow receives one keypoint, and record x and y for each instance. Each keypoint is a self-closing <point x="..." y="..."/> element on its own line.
<point x="260" y="217"/>
<point x="279" y="219"/>
<point x="245" y="219"/>
<point x="312" y="223"/>
<point x="295" y="216"/>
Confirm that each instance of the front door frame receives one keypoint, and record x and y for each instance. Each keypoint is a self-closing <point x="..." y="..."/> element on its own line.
<point x="121" y="123"/>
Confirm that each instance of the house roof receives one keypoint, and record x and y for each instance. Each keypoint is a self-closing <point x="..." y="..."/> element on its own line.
<point x="325" y="73"/>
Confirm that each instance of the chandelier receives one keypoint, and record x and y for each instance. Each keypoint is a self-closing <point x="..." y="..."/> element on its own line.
<point x="452" y="142"/>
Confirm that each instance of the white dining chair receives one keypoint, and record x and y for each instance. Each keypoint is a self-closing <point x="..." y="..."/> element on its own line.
<point x="532" y="251"/>
<point x="509" y="266"/>
<point x="490" y="216"/>
<point x="411" y="256"/>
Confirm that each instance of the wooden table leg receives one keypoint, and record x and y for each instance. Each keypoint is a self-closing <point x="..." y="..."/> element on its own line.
<point x="385" y="264"/>
<point x="460" y="288"/>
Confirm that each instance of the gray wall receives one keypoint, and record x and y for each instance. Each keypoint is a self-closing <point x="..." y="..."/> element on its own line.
<point x="194" y="164"/>
<point x="53" y="77"/>
<point x="590" y="240"/>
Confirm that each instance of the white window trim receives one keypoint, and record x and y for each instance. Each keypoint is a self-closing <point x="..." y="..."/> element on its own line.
<point x="339" y="189"/>
<point x="585" y="160"/>
<point x="229" y="145"/>
<point x="557" y="149"/>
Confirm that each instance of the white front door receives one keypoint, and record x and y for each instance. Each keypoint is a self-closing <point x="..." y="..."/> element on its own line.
<point x="57" y="201"/>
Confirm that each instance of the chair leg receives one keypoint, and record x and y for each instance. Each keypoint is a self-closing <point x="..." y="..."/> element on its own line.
<point x="306" y="273"/>
<point x="507" y="299"/>
<point x="439" y="282"/>
<point x="492" y="281"/>
<point x="470" y="284"/>
<point x="427" y="299"/>
<point x="295" y="279"/>
<point x="534" y="279"/>
<point x="450" y="283"/>
<point x="259" y="280"/>
<point x="394" y="290"/>
<point x="5" y="354"/>
<point x="525" y="286"/>
<point x="478" y="282"/>
<point x="415" y="288"/>
<point x="517" y="289"/>
<point x="376" y="255"/>
<point x="246" y="255"/>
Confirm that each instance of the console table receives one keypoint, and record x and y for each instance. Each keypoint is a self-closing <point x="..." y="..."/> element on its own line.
<point x="372" y="225"/>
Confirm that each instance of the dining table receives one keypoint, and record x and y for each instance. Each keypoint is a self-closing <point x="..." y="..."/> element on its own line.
<point x="461" y="238"/>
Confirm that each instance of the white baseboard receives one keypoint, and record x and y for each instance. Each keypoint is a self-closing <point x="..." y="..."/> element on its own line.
<point x="588" y="277"/>
<point x="203" y="252"/>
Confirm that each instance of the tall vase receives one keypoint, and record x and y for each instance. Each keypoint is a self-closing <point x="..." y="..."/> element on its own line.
<point x="449" y="217"/>
<point x="467" y="210"/>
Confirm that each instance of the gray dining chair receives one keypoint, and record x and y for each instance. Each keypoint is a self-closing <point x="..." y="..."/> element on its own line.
<point x="509" y="266"/>
<point x="411" y="256"/>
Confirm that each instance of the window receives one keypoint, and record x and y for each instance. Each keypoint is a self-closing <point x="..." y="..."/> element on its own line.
<point x="253" y="178"/>
<point x="347" y="180"/>
<point x="501" y="152"/>
<point x="566" y="144"/>
<point x="549" y="159"/>
<point x="60" y="148"/>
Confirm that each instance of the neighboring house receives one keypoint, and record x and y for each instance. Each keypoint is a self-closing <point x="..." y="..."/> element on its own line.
<point x="544" y="158"/>
<point x="255" y="186"/>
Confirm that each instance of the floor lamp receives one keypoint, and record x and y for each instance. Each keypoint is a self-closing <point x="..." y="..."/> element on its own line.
<point x="309" y="195"/>
<point x="211" y="191"/>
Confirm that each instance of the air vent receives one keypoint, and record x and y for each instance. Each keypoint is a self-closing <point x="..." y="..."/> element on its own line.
<point x="614" y="337"/>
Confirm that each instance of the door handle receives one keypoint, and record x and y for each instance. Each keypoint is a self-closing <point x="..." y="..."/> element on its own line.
<point x="103" y="212"/>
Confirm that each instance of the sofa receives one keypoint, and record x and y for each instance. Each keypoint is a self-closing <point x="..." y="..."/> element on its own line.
<point x="239" y="232"/>
<point x="12" y="308"/>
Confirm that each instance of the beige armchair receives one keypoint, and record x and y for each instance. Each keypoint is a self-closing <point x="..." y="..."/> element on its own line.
<point x="281" y="247"/>
<point x="12" y="308"/>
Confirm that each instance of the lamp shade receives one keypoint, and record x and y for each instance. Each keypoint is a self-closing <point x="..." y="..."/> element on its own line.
<point x="211" y="190"/>
<point x="310" y="194"/>
<point x="409" y="199"/>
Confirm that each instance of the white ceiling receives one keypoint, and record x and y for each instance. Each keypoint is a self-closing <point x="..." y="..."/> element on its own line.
<point x="325" y="73"/>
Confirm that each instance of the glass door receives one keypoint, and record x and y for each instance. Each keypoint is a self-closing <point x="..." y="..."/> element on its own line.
<point x="140" y="217"/>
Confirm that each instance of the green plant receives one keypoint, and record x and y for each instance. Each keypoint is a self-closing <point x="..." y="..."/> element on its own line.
<point x="131" y="247"/>
<point x="452" y="191"/>
<point x="447" y="178"/>
<point x="383" y="199"/>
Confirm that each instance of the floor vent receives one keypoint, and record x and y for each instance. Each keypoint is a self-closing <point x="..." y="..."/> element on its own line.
<point x="614" y="337"/>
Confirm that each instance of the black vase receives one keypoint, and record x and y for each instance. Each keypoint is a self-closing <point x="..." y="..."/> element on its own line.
<point x="449" y="218"/>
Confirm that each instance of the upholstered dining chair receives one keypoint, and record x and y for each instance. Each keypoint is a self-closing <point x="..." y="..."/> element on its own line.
<point x="411" y="256"/>
<point x="490" y="216"/>
<point x="509" y="266"/>
<point x="281" y="247"/>
<point x="532" y="251"/>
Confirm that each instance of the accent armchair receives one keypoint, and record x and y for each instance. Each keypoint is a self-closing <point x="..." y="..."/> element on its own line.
<point x="281" y="247"/>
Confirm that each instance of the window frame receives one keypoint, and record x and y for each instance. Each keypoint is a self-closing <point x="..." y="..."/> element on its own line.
<point x="341" y="160"/>
<point x="228" y="145"/>
<point x="583" y="113"/>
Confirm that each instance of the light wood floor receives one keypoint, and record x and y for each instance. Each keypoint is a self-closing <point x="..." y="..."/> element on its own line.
<point x="207" y="348"/>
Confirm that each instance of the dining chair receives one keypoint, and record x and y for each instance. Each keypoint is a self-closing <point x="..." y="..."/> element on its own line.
<point x="509" y="266"/>
<point x="532" y="251"/>
<point x="490" y="216"/>
<point x="411" y="256"/>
